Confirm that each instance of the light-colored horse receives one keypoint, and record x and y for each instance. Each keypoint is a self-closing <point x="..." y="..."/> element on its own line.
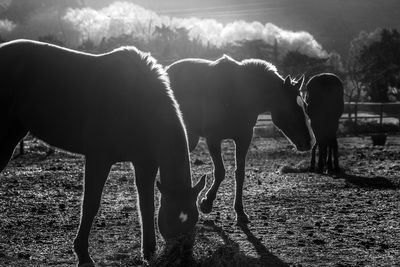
<point x="222" y="99"/>
<point x="111" y="107"/>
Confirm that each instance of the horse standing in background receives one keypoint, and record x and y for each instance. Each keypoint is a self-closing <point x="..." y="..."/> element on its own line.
<point x="110" y="107"/>
<point x="324" y="98"/>
<point x="222" y="100"/>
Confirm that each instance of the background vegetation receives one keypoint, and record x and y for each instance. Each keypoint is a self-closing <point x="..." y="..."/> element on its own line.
<point x="371" y="70"/>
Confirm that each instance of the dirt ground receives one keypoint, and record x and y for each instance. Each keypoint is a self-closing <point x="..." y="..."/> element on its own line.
<point x="297" y="218"/>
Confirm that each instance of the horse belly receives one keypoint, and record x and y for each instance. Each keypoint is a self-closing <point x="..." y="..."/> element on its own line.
<point x="227" y="123"/>
<point x="121" y="140"/>
<point x="54" y="124"/>
<point x="58" y="133"/>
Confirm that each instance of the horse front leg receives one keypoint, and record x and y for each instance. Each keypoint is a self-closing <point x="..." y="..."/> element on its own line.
<point x="145" y="175"/>
<point x="322" y="153"/>
<point x="96" y="172"/>
<point x="214" y="146"/>
<point x="242" y="145"/>
<point x="312" y="162"/>
<point x="330" y="152"/>
<point x="336" y="156"/>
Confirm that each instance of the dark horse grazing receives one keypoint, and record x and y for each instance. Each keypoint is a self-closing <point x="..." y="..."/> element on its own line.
<point x="222" y="100"/>
<point x="324" y="98"/>
<point x="111" y="107"/>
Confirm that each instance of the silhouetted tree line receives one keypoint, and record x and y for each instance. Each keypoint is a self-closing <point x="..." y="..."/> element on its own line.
<point x="169" y="45"/>
<point x="374" y="66"/>
<point x="371" y="71"/>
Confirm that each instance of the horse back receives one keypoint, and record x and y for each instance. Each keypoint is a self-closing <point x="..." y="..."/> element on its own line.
<point x="210" y="95"/>
<point x="114" y="102"/>
<point x="325" y="92"/>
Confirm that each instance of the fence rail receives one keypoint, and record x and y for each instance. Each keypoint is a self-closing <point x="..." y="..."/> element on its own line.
<point x="352" y="110"/>
<point x="356" y="111"/>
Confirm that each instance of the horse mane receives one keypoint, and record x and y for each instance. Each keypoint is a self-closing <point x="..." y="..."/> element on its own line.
<point x="147" y="65"/>
<point x="252" y="65"/>
<point x="259" y="66"/>
<point x="140" y="57"/>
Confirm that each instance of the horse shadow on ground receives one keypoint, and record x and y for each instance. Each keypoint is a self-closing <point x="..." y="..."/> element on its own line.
<point x="229" y="253"/>
<point x="367" y="182"/>
<point x="357" y="180"/>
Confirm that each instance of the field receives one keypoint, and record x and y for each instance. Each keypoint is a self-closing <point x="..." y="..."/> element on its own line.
<point x="297" y="218"/>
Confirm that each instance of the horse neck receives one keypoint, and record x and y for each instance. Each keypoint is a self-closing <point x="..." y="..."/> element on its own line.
<point x="264" y="94"/>
<point x="174" y="159"/>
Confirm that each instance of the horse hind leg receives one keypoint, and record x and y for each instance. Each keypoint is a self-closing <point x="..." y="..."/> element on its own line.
<point x="214" y="146"/>
<point x="10" y="136"/>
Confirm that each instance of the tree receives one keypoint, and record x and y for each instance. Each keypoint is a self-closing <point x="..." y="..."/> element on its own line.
<point x="163" y="36"/>
<point x="374" y="64"/>
<point x="296" y="63"/>
<point x="254" y="49"/>
<point x="20" y="11"/>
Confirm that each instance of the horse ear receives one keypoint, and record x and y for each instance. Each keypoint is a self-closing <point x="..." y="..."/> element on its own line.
<point x="288" y="80"/>
<point x="200" y="185"/>
<point x="300" y="82"/>
<point x="160" y="188"/>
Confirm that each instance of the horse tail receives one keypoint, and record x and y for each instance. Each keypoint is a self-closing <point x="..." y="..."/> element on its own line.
<point x="5" y="96"/>
<point x="12" y="131"/>
<point x="4" y="88"/>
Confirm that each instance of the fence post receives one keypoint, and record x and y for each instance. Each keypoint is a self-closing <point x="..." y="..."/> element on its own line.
<point x="355" y="117"/>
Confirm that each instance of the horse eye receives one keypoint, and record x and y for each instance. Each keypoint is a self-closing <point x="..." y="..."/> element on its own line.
<point x="183" y="217"/>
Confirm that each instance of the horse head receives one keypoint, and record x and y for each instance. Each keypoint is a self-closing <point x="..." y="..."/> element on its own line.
<point x="178" y="214"/>
<point x="289" y="115"/>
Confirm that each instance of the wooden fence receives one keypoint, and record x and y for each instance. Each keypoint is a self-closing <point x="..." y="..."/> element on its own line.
<point x="352" y="110"/>
<point x="356" y="112"/>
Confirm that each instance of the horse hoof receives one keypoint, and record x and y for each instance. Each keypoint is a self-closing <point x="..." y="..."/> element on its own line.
<point x="87" y="264"/>
<point x="85" y="261"/>
<point x="205" y="206"/>
<point x="242" y="219"/>
<point x="334" y="172"/>
<point x="148" y="256"/>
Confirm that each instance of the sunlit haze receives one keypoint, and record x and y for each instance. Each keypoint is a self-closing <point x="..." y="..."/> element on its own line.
<point x="308" y="26"/>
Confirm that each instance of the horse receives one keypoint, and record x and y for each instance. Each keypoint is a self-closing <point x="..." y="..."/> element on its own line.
<point x="111" y="107"/>
<point x="324" y="106"/>
<point x="222" y="99"/>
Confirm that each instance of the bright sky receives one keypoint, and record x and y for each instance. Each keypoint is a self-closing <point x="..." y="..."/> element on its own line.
<point x="331" y="23"/>
<point x="223" y="10"/>
<point x="334" y="23"/>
